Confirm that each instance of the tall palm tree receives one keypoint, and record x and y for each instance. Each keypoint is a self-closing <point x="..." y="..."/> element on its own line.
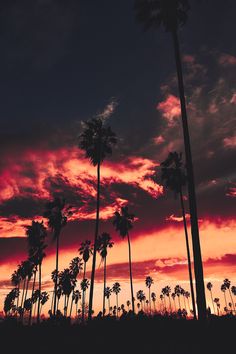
<point x="36" y="234"/>
<point x="171" y="14"/>
<point x="209" y="287"/>
<point x="104" y="242"/>
<point x="57" y="214"/>
<point x="108" y="292"/>
<point x="175" y="179"/>
<point x="123" y="222"/>
<point x="97" y="140"/>
<point x="227" y="284"/>
<point x="116" y="290"/>
<point x="148" y="283"/>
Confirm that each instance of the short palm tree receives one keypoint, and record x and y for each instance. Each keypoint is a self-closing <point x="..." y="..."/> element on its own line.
<point x="172" y="14"/>
<point x="108" y="292"/>
<point x="209" y="287"/>
<point x="148" y="283"/>
<point x="97" y="140"/>
<point x="116" y="290"/>
<point x="57" y="214"/>
<point x="123" y="222"/>
<point x="141" y="297"/>
<point x="104" y="242"/>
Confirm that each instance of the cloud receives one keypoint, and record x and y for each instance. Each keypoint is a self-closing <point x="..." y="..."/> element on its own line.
<point x="170" y="109"/>
<point x="227" y="60"/>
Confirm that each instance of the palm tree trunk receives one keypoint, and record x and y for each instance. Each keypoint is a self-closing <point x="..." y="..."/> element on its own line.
<point x="23" y="294"/>
<point x="31" y="309"/>
<point x="95" y="245"/>
<point x="170" y="304"/>
<point x="109" y="305"/>
<point x="116" y="305"/>
<point x="104" y="285"/>
<point x="150" y="304"/>
<point x="198" y="269"/>
<point x="130" y="274"/>
<point x="40" y="276"/>
<point x="232" y="299"/>
<point x="55" y="285"/>
<point x="77" y="309"/>
<point x="213" y="302"/>
<point x="225" y="300"/>
<point x="188" y="255"/>
<point x="83" y="296"/>
<point x="179" y="302"/>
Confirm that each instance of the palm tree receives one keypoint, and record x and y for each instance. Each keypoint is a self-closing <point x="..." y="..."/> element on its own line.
<point x="15" y="280"/>
<point x="227" y="283"/>
<point x="67" y="284"/>
<point x="148" y="283"/>
<point x="175" y="179"/>
<point x="36" y="234"/>
<point x="223" y="289"/>
<point x="108" y="292"/>
<point x="43" y="299"/>
<point x="123" y="222"/>
<point x="85" y="251"/>
<point x="187" y="295"/>
<point x="96" y="140"/>
<point x="177" y="291"/>
<point x="173" y="295"/>
<point x="57" y="214"/>
<point x="217" y="302"/>
<point x="84" y="286"/>
<point x="103" y="243"/>
<point x="166" y="292"/>
<point x="141" y="297"/>
<point x="116" y="289"/>
<point x="154" y="298"/>
<point x="172" y="14"/>
<point x="209" y="287"/>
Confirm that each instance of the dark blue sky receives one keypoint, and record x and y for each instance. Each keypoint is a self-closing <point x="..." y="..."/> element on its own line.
<point x="63" y="60"/>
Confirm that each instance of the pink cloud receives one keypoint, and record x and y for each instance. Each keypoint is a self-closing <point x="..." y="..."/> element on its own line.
<point x="170" y="109"/>
<point x="229" y="142"/>
<point x="227" y="60"/>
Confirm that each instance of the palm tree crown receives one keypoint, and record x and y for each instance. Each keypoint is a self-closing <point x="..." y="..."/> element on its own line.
<point x="104" y="242"/>
<point x="167" y="13"/>
<point x="123" y="221"/>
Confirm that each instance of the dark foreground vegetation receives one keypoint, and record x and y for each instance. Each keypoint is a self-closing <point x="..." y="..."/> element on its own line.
<point x="141" y="334"/>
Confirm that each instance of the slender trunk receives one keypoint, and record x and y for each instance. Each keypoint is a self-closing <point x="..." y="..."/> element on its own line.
<point x="71" y="305"/>
<point x="165" y="303"/>
<point x="23" y="294"/>
<point x="179" y="302"/>
<point x="170" y="304"/>
<point x="198" y="269"/>
<point x="40" y="275"/>
<point x="95" y="245"/>
<point x="31" y="309"/>
<point x="116" y="305"/>
<point x="225" y="300"/>
<point x="104" y="286"/>
<point x="26" y="290"/>
<point x="109" y="305"/>
<point x="55" y="285"/>
<point x="213" y="302"/>
<point x="52" y="301"/>
<point x="83" y="295"/>
<point x="232" y="299"/>
<point x="184" y="302"/>
<point x="174" y="304"/>
<point x="150" y="304"/>
<point x="77" y="309"/>
<point x="188" y="255"/>
<point x="130" y="273"/>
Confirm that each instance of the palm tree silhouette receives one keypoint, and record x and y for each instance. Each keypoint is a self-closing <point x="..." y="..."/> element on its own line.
<point x="36" y="234"/>
<point x="67" y="283"/>
<point x="175" y="179"/>
<point x="108" y="292"/>
<point x="173" y="295"/>
<point x="154" y="298"/>
<point x="123" y="222"/>
<point x="96" y="140"/>
<point x="177" y="291"/>
<point x="223" y="289"/>
<point x="217" y="302"/>
<point x="57" y="214"/>
<point x="85" y="251"/>
<point x="171" y="14"/>
<point x="116" y="289"/>
<point x="141" y="297"/>
<point x="15" y="280"/>
<point x="227" y="284"/>
<point x="148" y="283"/>
<point x="103" y="243"/>
<point x="209" y="287"/>
<point x="44" y="297"/>
<point x="84" y="286"/>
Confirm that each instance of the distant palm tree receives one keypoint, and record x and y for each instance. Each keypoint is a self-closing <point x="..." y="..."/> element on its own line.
<point x="175" y="179"/>
<point x="123" y="222"/>
<point x="97" y="140"/>
<point x="57" y="214"/>
<point x="84" y="286"/>
<point x="85" y="250"/>
<point x="227" y="283"/>
<point x="116" y="290"/>
<point x="128" y="304"/>
<point x="177" y="291"/>
<point x="149" y="282"/>
<point x="15" y="280"/>
<point x="154" y="298"/>
<point x="108" y="292"/>
<point x="187" y="295"/>
<point x="141" y="297"/>
<point x="217" y="302"/>
<point x="104" y="242"/>
<point x="223" y="289"/>
<point x="67" y="283"/>
<point x="43" y="299"/>
<point x="171" y="14"/>
<point x="209" y="287"/>
<point x="36" y="234"/>
<point x="166" y="292"/>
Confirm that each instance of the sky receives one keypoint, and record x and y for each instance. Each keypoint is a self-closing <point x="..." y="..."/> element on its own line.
<point x="63" y="62"/>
